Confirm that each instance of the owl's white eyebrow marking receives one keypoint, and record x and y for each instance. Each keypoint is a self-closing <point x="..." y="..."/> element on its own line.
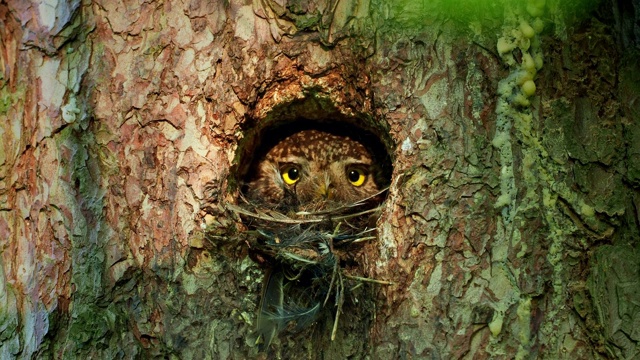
<point x="293" y="160"/>
<point x="356" y="161"/>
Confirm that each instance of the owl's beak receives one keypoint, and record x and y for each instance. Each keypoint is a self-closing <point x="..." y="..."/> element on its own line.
<point x="325" y="191"/>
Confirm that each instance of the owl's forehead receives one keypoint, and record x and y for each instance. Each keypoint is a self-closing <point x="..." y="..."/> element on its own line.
<point x="319" y="145"/>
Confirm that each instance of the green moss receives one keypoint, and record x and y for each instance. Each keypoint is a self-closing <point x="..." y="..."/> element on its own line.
<point x="5" y="101"/>
<point x="8" y="312"/>
<point x="467" y="14"/>
<point x="628" y="89"/>
<point x="615" y="287"/>
<point x="307" y="22"/>
<point x="90" y="325"/>
<point x="8" y="98"/>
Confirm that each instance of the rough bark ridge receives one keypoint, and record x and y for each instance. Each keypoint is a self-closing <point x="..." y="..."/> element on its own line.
<point x="512" y="223"/>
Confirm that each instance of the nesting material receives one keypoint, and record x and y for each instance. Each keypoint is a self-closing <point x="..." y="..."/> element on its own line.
<point x="306" y="255"/>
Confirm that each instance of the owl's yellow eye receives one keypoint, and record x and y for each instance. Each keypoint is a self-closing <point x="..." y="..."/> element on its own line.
<point x="290" y="174"/>
<point x="356" y="177"/>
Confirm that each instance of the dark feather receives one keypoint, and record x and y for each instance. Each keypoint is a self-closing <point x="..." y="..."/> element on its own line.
<point x="283" y="303"/>
<point x="272" y="300"/>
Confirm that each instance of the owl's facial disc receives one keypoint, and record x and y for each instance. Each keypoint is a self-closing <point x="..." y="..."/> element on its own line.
<point x="355" y="174"/>
<point x="315" y="169"/>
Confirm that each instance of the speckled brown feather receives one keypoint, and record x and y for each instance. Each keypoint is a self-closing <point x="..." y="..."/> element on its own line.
<point x="323" y="158"/>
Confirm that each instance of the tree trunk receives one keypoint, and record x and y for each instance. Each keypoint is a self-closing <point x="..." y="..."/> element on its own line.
<point x="511" y="227"/>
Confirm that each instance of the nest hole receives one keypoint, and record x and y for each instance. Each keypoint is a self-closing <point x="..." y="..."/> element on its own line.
<point x="309" y="114"/>
<point x="311" y="260"/>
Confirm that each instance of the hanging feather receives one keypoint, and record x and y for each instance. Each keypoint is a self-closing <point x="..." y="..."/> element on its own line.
<point x="271" y="300"/>
<point x="283" y="303"/>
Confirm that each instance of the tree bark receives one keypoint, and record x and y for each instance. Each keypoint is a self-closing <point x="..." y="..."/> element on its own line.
<point x="511" y="228"/>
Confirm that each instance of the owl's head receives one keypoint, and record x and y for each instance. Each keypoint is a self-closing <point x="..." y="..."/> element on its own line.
<point x="315" y="169"/>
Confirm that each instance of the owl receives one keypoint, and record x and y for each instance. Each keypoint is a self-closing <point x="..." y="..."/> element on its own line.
<point x="310" y="170"/>
<point x="313" y="169"/>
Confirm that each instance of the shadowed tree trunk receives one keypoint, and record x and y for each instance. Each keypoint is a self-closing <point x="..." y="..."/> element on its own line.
<point x="511" y="228"/>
